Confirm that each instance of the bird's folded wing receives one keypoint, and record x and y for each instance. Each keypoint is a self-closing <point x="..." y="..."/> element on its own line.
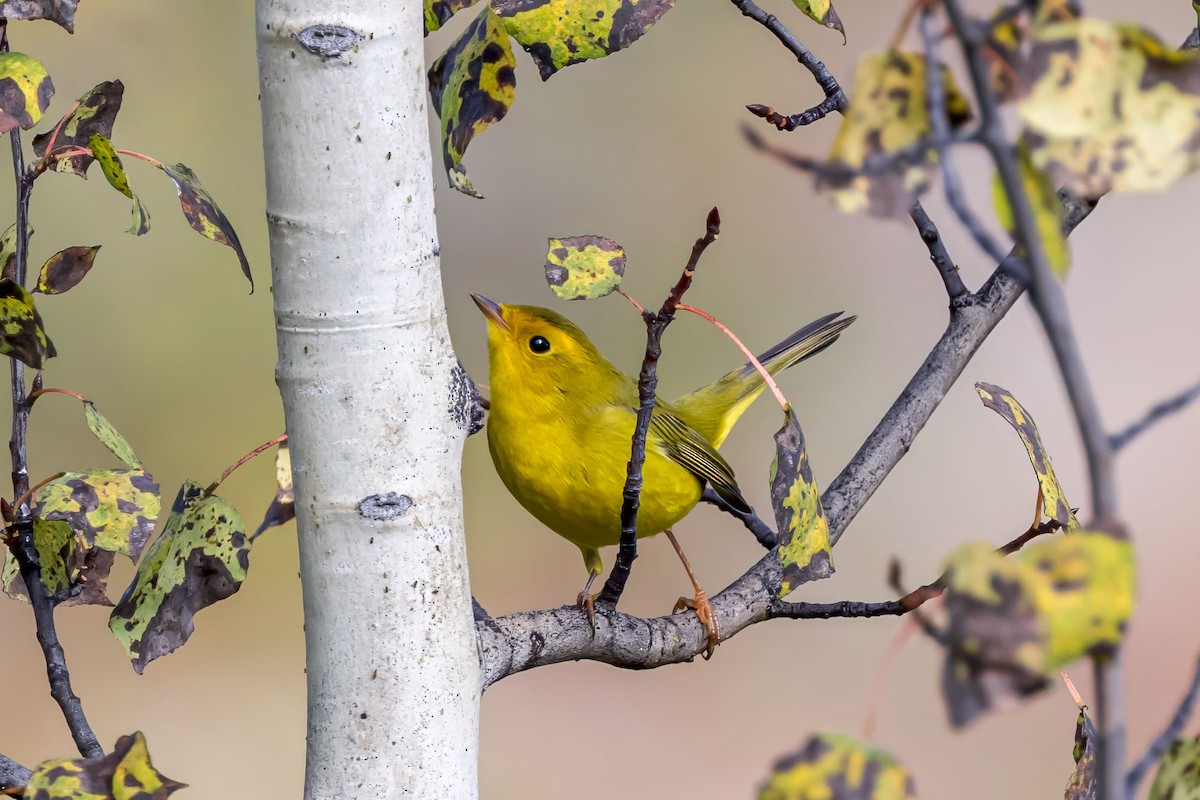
<point x="687" y="448"/>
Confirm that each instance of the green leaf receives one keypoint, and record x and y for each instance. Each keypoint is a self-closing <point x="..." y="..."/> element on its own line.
<point x="8" y="250"/>
<point x="804" y="550"/>
<point x="124" y="774"/>
<point x="439" y="12"/>
<point x="1015" y="621"/>
<point x="831" y="766"/>
<point x="1082" y="783"/>
<point x="201" y="557"/>
<point x="95" y="114"/>
<point x="57" y="555"/>
<point x="1109" y="107"/>
<point x="59" y="11"/>
<point x="202" y="213"/>
<point x="25" y="91"/>
<point x="821" y="11"/>
<point x="558" y="33"/>
<point x="65" y="269"/>
<point x="472" y="87"/>
<point x="22" y="335"/>
<point x="1047" y="210"/>
<point x="113" y="510"/>
<point x="584" y="267"/>
<point x="108" y="435"/>
<point x="1178" y="776"/>
<point x="1054" y="500"/>
<point x="283" y="507"/>
<point x="886" y="116"/>
<point x="110" y="164"/>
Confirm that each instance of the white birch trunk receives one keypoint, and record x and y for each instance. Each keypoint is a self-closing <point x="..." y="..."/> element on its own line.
<point x="373" y="402"/>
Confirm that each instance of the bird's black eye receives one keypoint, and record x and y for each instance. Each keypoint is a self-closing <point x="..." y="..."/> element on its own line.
<point x="539" y="344"/>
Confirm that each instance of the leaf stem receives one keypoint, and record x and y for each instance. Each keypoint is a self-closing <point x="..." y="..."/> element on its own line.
<point x="262" y="448"/>
<point x="35" y="394"/>
<point x="29" y="493"/>
<point x="766" y="376"/>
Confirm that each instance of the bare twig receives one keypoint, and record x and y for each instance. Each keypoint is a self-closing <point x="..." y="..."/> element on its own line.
<point x="1156" y="414"/>
<point x="947" y="269"/>
<point x="761" y="530"/>
<point x="23" y="546"/>
<point x="12" y="774"/>
<point x="656" y="324"/>
<point x="1158" y="747"/>
<point x="842" y="609"/>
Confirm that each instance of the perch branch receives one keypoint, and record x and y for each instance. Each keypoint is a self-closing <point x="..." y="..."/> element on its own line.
<point x="947" y="269"/>
<point x="1156" y="414"/>
<point x="1158" y="747"/>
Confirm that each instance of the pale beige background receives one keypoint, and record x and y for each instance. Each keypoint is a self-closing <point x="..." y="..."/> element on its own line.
<point x="165" y="339"/>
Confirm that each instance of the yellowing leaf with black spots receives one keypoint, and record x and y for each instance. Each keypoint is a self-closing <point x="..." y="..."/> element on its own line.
<point x="95" y="114"/>
<point x="439" y="12"/>
<point x="804" y="550"/>
<point x="472" y="86"/>
<point x="111" y="509"/>
<point x="25" y="91"/>
<point x="283" y="507"/>
<point x="1047" y="210"/>
<point x="558" y="33"/>
<point x="821" y="11"/>
<point x="65" y="269"/>
<point x="201" y="557"/>
<point x="124" y="774"/>
<point x="57" y="554"/>
<point x="110" y="165"/>
<point x="1082" y="783"/>
<point x="1054" y="500"/>
<point x="59" y="11"/>
<point x="1178" y="776"/>
<point x="886" y="117"/>
<point x="22" y="335"/>
<point x="1015" y="621"/>
<point x="831" y="766"/>
<point x="202" y="213"/>
<point x="1108" y="107"/>
<point x="103" y="430"/>
<point x="584" y="267"/>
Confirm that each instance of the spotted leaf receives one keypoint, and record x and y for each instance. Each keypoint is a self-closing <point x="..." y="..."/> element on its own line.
<point x="804" y="549"/>
<point x="877" y="163"/>
<point x="1015" y="621"/>
<point x="1178" y="776"/>
<point x="59" y="11"/>
<point x="1082" y="783"/>
<point x="832" y="766"/>
<point x="103" y="430"/>
<point x="821" y="11"/>
<point x="95" y="114"/>
<point x="25" y="91"/>
<point x="1047" y="210"/>
<point x="202" y="213"/>
<point x="8" y="251"/>
<point x="283" y="507"/>
<point x="110" y="165"/>
<point x="201" y="557"/>
<point x="22" y="335"/>
<point x="584" y="267"/>
<point x="65" y="269"/>
<point x="112" y="510"/>
<point x="439" y="12"/>
<point x="472" y="86"/>
<point x="58" y="555"/>
<point x="558" y="33"/>
<point x="124" y="774"/>
<point x="1109" y="107"/>
<point x="1054" y="501"/>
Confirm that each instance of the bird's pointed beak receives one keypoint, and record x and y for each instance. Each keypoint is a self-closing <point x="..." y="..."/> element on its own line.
<point x="490" y="309"/>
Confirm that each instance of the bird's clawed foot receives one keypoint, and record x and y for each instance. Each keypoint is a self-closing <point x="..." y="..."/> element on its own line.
<point x="708" y="618"/>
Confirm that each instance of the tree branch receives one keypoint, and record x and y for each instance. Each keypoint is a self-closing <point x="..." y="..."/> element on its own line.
<point x="12" y="774"/>
<point x="947" y="269"/>
<point x="1158" y="748"/>
<point x="1156" y="414"/>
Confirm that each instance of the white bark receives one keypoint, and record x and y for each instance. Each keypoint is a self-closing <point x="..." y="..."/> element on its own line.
<point x="373" y="402"/>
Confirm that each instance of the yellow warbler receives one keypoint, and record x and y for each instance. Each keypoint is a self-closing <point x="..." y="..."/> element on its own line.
<point x="562" y="417"/>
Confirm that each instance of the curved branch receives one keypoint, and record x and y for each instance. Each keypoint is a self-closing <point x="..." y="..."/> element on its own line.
<point x="12" y="774"/>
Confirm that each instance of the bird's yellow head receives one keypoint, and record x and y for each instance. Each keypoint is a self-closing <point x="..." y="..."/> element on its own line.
<point x="536" y="352"/>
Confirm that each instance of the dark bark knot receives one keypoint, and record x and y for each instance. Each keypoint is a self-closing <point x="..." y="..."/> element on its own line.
<point x="383" y="507"/>
<point x="465" y="407"/>
<point x="328" y="41"/>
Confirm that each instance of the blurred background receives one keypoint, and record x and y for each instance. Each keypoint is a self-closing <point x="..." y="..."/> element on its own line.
<point x="164" y="338"/>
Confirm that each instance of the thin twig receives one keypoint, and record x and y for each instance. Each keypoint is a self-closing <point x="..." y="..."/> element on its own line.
<point x="1156" y="414"/>
<point x="1158" y="747"/>
<point x="656" y="324"/>
<point x="761" y="530"/>
<point x="23" y="547"/>
<point x="841" y="610"/>
<point x="947" y="269"/>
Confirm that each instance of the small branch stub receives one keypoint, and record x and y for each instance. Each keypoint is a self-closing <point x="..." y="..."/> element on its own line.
<point x="328" y="41"/>
<point x="383" y="507"/>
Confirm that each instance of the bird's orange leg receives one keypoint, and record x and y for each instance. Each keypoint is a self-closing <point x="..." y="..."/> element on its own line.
<point x="699" y="604"/>
<point x="587" y="600"/>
